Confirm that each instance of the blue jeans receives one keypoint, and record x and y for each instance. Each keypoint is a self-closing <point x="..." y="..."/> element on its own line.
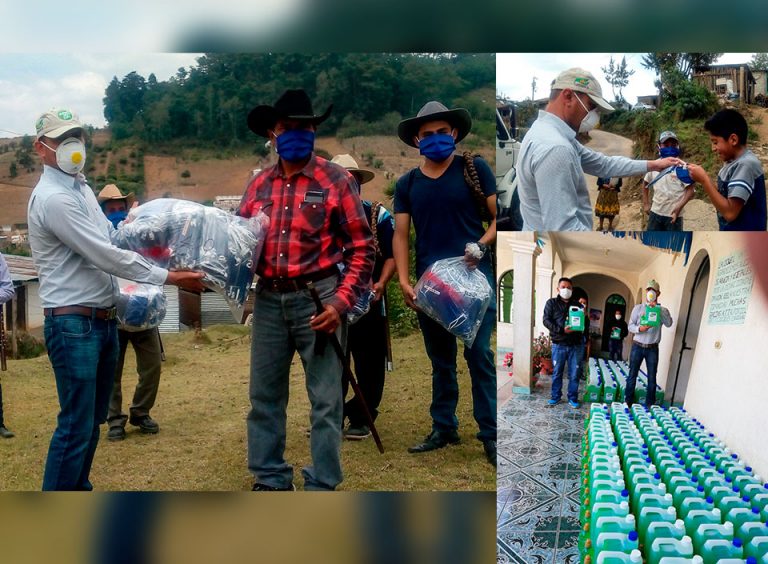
<point x="614" y="347"/>
<point x="562" y="354"/>
<point x="663" y="223"/>
<point x="83" y="352"/>
<point x="636" y="357"/>
<point x="280" y="328"/>
<point x="442" y="348"/>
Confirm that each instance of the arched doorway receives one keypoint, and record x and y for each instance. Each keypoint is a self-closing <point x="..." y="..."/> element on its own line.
<point x="613" y="303"/>
<point x="687" y="333"/>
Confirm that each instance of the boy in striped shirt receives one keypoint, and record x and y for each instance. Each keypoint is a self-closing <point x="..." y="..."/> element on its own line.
<point x="740" y="194"/>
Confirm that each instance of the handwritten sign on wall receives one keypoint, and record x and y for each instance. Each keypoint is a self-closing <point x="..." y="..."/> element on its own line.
<point x="733" y="286"/>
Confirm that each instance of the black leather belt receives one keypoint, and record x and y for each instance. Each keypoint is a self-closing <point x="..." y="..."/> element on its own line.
<point x="643" y="346"/>
<point x="94" y="312"/>
<point x="296" y="284"/>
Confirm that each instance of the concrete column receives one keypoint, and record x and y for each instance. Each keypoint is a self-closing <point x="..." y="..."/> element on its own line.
<point x="524" y="251"/>
<point x="544" y="278"/>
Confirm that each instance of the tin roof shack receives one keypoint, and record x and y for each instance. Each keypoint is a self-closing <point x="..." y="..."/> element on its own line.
<point x="23" y="312"/>
<point x="728" y="81"/>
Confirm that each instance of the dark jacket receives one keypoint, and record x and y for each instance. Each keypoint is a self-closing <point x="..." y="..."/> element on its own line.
<point x="621" y="324"/>
<point x="555" y="316"/>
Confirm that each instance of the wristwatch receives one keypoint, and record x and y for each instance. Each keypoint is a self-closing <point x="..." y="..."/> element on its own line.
<point x="483" y="247"/>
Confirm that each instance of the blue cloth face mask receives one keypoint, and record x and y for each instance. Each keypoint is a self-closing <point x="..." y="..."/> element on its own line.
<point x="437" y="147"/>
<point x="683" y="175"/>
<point x="117" y="217"/>
<point x="665" y="152"/>
<point x="295" y="144"/>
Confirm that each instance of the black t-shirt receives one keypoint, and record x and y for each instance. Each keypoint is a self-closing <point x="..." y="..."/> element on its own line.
<point x="444" y="212"/>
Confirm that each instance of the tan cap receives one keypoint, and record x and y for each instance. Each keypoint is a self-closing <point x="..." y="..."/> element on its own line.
<point x="56" y="122"/>
<point x="350" y="164"/>
<point x="653" y="284"/>
<point x="579" y="80"/>
<point x="112" y="192"/>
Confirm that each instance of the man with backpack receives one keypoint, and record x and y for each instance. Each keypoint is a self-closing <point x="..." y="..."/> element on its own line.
<point x="448" y="197"/>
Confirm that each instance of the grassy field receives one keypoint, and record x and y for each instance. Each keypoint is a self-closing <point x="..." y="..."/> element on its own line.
<point x="201" y="408"/>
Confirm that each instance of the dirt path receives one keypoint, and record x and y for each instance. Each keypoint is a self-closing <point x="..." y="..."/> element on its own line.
<point x="699" y="214"/>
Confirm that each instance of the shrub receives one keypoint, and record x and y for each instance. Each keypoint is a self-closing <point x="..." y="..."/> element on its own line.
<point x="186" y="174"/>
<point x="28" y="346"/>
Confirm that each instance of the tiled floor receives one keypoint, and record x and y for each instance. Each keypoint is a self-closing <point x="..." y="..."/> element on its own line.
<point x="537" y="513"/>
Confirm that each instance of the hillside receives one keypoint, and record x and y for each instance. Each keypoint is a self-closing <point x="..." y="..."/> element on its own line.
<point x="201" y="175"/>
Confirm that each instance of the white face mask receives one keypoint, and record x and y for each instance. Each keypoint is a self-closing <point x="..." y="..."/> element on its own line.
<point x="70" y="155"/>
<point x="590" y="120"/>
<point x="565" y="293"/>
<point x="651" y="295"/>
<point x="618" y="317"/>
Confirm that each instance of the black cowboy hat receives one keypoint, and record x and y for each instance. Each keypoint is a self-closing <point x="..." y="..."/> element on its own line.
<point x="293" y="104"/>
<point x="434" y="111"/>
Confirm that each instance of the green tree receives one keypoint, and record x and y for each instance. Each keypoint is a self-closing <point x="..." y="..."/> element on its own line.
<point x="617" y="75"/>
<point x="759" y="61"/>
<point x="13" y="170"/>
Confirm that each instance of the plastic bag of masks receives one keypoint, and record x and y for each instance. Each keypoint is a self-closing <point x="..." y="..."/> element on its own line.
<point x="141" y="307"/>
<point x="455" y="297"/>
<point x="178" y="234"/>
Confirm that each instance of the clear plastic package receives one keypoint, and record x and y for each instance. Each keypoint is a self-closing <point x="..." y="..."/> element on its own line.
<point x="455" y="297"/>
<point x="361" y="307"/>
<point x="184" y="235"/>
<point x="141" y="307"/>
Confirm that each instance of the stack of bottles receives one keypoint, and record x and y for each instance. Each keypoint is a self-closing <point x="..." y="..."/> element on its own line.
<point x="594" y="391"/>
<point x="608" y="531"/>
<point x="611" y="389"/>
<point x="689" y="497"/>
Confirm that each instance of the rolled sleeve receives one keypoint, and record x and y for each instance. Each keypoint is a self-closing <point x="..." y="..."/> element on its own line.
<point x="666" y="317"/>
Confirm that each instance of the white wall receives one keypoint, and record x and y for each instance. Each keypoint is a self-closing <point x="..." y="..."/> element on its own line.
<point x="728" y="388"/>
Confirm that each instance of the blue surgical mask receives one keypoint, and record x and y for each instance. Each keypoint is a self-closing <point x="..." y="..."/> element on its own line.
<point x="295" y="144"/>
<point x="437" y="147"/>
<point x="117" y="217"/>
<point x="665" y="152"/>
<point x="683" y="175"/>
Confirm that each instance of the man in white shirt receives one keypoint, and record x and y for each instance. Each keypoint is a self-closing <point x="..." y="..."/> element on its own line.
<point x="71" y="244"/>
<point x="553" y="191"/>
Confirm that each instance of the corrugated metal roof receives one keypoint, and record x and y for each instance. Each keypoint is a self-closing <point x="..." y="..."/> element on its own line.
<point x="22" y="268"/>
<point x="214" y="310"/>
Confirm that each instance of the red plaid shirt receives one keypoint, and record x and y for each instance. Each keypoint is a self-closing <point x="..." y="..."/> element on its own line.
<point x="314" y="216"/>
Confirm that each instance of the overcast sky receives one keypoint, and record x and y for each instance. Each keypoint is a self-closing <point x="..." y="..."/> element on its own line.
<point x="515" y="72"/>
<point x="33" y="83"/>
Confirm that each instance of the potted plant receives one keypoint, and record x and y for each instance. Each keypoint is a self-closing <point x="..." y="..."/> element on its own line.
<point x="542" y="354"/>
<point x="508" y="361"/>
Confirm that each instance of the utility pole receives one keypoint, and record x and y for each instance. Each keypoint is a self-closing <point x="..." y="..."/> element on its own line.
<point x="533" y="89"/>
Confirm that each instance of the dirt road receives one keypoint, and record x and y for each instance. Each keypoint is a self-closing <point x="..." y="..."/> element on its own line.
<point x="699" y="215"/>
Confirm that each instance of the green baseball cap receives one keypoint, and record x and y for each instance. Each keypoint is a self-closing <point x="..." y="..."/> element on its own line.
<point x="56" y="122"/>
<point x="580" y="80"/>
